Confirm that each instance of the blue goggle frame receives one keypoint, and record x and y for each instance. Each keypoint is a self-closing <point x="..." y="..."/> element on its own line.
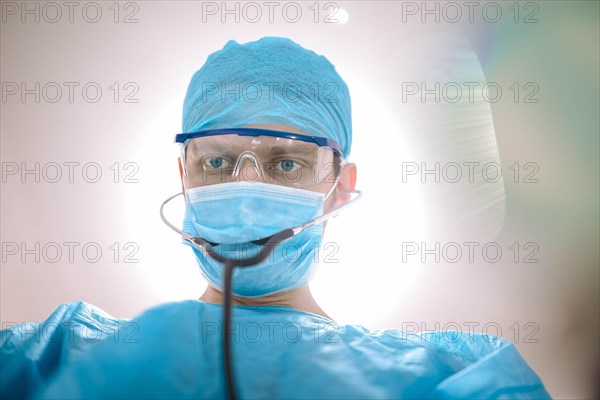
<point x="319" y="141"/>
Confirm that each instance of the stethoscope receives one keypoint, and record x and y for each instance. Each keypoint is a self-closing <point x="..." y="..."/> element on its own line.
<point x="268" y="244"/>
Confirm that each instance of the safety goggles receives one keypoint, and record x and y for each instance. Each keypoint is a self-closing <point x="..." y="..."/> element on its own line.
<point x="226" y="155"/>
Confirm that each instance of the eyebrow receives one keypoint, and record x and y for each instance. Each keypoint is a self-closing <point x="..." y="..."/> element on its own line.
<point x="278" y="150"/>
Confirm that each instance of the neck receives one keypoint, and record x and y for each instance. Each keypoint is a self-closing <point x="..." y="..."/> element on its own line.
<point x="300" y="299"/>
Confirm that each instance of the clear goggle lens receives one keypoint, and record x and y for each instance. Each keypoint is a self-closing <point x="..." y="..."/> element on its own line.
<point x="211" y="160"/>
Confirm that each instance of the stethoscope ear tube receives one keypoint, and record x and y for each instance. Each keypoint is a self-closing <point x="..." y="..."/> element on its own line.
<point x="267" y="247"/>
<point x="230" y="264"/>
<point x="227" y="357"/>
<point x="201" y="243"/>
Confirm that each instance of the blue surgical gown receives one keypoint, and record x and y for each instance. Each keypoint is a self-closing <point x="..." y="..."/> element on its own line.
<point x="175" y="351"/>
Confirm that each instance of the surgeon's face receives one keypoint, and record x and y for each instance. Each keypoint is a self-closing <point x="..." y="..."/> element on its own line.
<point x="287" y="162"/>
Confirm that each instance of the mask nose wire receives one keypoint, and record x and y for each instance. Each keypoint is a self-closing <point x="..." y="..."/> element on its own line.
<point x="248" y="155"/>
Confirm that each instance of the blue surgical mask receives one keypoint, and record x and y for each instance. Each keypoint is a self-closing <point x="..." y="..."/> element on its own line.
<point x="239" y="212"/>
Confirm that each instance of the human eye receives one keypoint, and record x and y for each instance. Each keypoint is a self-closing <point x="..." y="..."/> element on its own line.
<point x="288" y="165"/>
<point x="212" y="163"/>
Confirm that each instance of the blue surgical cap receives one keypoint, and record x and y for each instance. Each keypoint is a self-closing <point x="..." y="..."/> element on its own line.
<point x="270" y="81"/>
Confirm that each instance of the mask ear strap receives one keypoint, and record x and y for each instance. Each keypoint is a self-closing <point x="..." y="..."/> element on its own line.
<point x="333" y="187"/>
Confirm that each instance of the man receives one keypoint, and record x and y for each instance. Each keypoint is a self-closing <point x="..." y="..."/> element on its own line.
<point x="276" y="85"/>
<point x="299" y="167"/>
<point x="253" y="166"/>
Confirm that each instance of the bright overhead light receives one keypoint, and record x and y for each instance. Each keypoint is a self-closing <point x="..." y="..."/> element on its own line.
<point x="342" y="16"/>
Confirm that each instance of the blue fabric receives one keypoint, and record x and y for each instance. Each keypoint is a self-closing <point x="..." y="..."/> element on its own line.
<point x="174" y="351"/>
<point x="269" y="81"/>
<point x="239" y="212"/>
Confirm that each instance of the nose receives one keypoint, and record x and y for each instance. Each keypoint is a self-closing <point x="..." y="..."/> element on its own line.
<point x="248" y="168"/>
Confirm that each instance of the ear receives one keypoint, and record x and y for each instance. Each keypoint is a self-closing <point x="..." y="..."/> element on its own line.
<point x="346" y="183"/>
<point x="181" y="174"/>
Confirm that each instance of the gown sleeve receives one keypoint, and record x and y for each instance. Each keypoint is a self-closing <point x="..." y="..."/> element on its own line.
<point x="31" y="353"/>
